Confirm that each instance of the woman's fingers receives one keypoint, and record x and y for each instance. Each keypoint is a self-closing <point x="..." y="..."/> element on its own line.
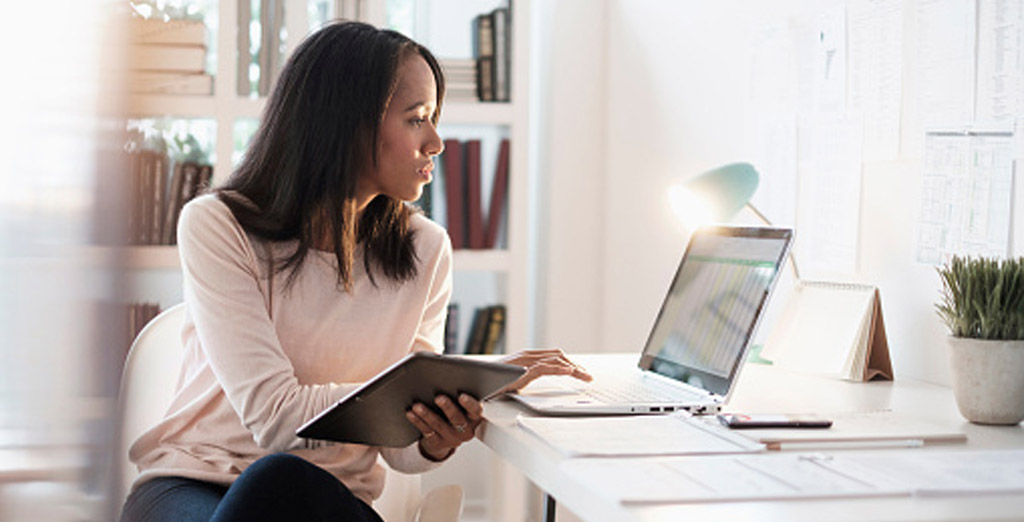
<point x="443" y="433"/>
<point x="539" y="363"/>
<point x="552" y="362"/>
<point x="460" y="421"/>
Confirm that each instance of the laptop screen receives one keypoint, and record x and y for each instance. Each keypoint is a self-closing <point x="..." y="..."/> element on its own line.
<point x="712" y="309"/>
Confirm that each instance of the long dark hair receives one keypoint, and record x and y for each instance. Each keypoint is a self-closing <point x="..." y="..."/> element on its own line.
<point x="318" y="132"/>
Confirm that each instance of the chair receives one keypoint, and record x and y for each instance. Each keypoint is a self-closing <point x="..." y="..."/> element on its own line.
<point x="147" y="386"/>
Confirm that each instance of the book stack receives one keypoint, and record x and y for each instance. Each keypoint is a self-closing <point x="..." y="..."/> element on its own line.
<point x="487" y="331"/>
<point x="158" y="193"/>
<point x="169" y="57"/>
<point x="460" y="79"/>
<point x="469" y="224"/>
<point x="491" y="50"/>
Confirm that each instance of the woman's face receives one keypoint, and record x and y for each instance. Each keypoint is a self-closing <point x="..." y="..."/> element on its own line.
<point x="408" y="139"/>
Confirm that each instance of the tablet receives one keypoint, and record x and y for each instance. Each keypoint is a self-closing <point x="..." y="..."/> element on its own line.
<point x="374" y="413"/>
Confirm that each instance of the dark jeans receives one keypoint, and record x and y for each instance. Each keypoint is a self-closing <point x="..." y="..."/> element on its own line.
<point x="278" y="487"/>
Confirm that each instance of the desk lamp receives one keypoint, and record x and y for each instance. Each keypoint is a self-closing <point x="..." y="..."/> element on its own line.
<point x="717" y="195"/>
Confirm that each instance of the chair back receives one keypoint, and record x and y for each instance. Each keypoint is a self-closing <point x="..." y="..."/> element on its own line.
<point x="147" y="385"/>
<point x="147" y="388"/>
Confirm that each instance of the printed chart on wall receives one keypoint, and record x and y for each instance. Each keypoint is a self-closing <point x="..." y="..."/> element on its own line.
<point x="966" y="195"/>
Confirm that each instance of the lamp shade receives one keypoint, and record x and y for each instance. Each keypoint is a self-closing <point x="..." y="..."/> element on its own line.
<point x="715" y="195"/>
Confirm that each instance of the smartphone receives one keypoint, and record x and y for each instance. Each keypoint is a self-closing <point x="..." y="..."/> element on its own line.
<point x="768" y="420"/>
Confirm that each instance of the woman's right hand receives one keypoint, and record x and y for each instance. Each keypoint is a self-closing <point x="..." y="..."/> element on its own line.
<point x="543" y="362"/>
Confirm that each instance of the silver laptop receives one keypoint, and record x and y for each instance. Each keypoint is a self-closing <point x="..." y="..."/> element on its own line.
<point x="700" y="338"/>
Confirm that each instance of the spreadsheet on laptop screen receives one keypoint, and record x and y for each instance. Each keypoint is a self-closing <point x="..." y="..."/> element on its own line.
<point x="713" y="304"/>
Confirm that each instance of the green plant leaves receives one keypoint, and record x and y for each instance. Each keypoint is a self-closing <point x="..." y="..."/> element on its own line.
<point x="983" y="298"/>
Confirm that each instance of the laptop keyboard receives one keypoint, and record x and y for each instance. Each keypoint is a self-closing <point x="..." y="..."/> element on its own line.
<point x="611" y="390"/>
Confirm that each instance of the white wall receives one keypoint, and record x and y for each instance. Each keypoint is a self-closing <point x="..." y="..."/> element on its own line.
<point x="674" y="100"/>
<point x="570" y="144"/>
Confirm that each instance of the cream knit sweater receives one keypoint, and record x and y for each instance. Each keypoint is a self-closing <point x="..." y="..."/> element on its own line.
<point x="256" y="367"/>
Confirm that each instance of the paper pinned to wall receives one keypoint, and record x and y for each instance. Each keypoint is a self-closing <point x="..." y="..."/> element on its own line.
<point x="966" y="195"/>
<point x="821" y="52"/>
<point x="875" y="32"/>
<point x="770" y="139"/>
<point x="828" y="213"/>
<point x="999" y="82"/>
<point x="945" y="44"/>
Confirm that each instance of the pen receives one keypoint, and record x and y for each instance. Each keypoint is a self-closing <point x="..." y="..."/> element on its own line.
<point x="848" y="444"/>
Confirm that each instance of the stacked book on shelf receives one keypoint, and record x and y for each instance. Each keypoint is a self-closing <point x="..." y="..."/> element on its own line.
<point x="460" y="79"/>
<point x="492" y="51"/>
<point x="158" y="192"/>
<point x="168" y="57"/>
<point x="471" y="225"/>
<point x="486" y="333"/>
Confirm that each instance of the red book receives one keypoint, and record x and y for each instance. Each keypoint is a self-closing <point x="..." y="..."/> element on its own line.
<point x="452" y="164"/>
<point x="474" y="207"/>
<point x="499" y="195"/>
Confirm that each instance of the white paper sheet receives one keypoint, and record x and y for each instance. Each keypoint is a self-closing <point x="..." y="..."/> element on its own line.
<point x="727" y="478"/>
<point x="785" y="476"/>
<point x="828" y="214"/>
<point x="875" y="34"/>
<point x="945" y="44"/>
<point x="966" y="196"/>
<point x="1000" y="30"/>
<point x="675" y="434"/>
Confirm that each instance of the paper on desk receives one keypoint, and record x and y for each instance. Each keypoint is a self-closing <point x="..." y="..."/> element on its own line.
<point x="729" y="478"/>
<point x="675" y="434"/>
<point x="854" y="428"/>
<point x="784" y="476"/>
<point x="950" y="472"/>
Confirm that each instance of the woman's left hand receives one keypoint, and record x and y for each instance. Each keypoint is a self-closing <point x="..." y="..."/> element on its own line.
<point x="441" y="435"/>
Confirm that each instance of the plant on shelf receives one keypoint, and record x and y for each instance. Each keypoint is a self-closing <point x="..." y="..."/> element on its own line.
<point x="982" y="304"/>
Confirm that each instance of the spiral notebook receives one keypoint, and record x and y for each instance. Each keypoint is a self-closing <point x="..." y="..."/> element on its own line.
<point x="833" y="329"/>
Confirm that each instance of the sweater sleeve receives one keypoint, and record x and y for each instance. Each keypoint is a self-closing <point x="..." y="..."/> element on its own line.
<point x="222" y="291"/>
<point x="429" y="337"/>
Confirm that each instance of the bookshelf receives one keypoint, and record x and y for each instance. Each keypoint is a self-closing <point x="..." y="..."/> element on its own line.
<point x="482" y="277"/>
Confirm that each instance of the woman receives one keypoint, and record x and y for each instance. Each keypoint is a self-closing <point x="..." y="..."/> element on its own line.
<point x="305" y="275"/>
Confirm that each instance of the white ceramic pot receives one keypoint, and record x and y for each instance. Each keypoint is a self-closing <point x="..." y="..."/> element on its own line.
<point x="988" y="379"/>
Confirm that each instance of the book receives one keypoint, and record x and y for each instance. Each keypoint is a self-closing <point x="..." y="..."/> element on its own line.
<point x="271" y="22"/>
<point x="156" y="202"/>
<point x="180" y="58"/>
<point x="168" y="32"/>
<point x="143" y="190"/>
<point x="176" y="195"/>
<point x="204" y="181"/>
<point x="135" y="173"/>
<point x="451" y="330"/>
<point x="483" y="51"/>
<point x="494" y="333"/>
<point x="478" y="331"/>
<point x="474" y="207"/>
<point x="452" y="164"/>
<point x="157" y="82"/>
<point x="485" y="78"/>
<point x="499" y="195"/>
<point x="834" y="329"/>
<point x="500" y="34"/>
<point x="243" y="51"/>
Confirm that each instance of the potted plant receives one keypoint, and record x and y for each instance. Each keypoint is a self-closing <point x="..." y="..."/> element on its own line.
<point x="983" y="306"/>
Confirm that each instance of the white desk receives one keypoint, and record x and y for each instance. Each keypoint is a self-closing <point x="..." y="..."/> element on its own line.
<point x="767" y="389"/>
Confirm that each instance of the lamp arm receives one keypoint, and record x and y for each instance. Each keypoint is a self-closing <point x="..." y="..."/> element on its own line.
<point x="792" y="259"/>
